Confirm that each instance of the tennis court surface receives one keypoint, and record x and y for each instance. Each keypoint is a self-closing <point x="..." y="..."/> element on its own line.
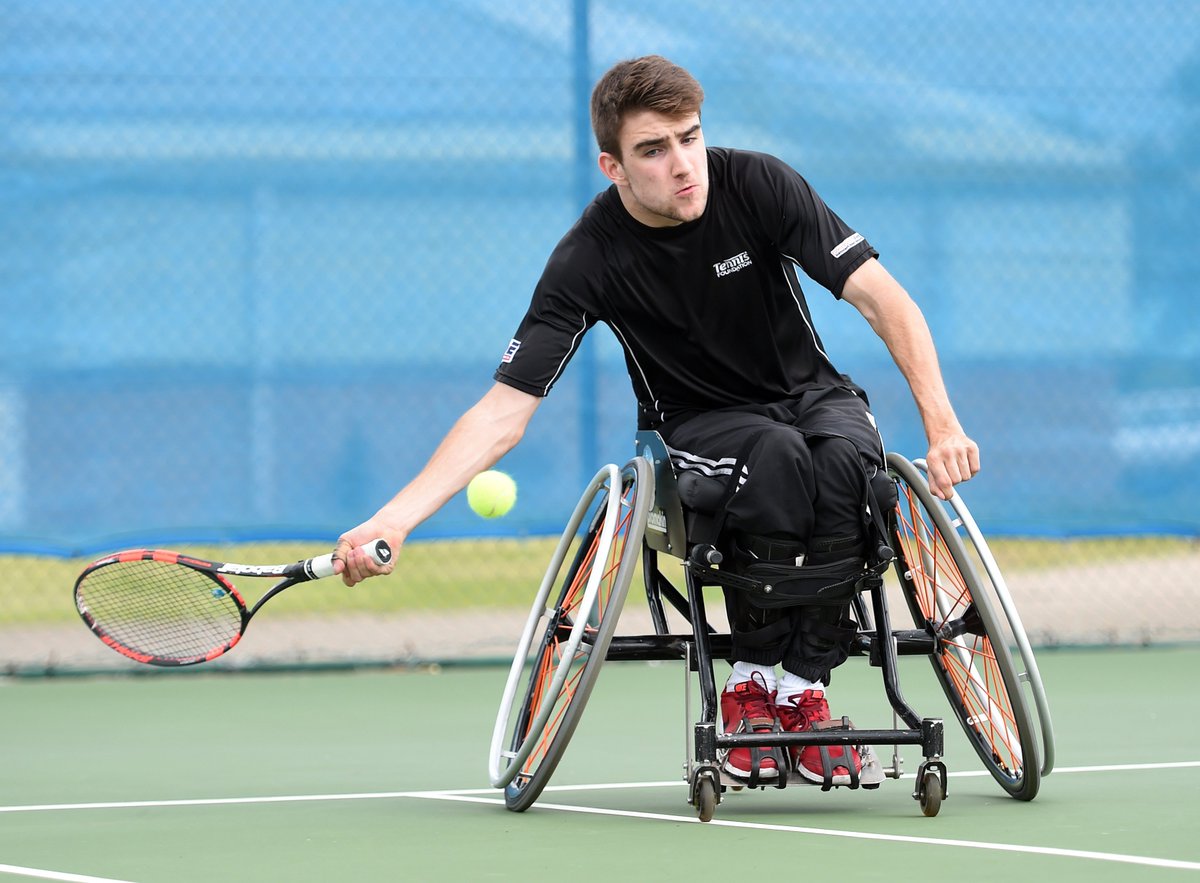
<point x="381" y="776"/>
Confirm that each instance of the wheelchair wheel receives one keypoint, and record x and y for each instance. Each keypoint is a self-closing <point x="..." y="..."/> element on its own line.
<point x="972" y="660"/>
<point x="1028" y="673"/>
<point x="566" y="639"/>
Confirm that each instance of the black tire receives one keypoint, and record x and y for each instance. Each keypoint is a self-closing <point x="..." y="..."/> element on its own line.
<point x="706" y="799"/>
<point x="946" y="597"/>
<point x="617" y="572"/>
<point x="931" y="794"/>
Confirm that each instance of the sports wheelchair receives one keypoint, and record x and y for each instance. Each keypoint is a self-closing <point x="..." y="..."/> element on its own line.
<point x="965" y="623"/>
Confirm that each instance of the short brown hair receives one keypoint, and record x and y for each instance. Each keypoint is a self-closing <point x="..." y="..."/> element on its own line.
<point x="647" y="83"/>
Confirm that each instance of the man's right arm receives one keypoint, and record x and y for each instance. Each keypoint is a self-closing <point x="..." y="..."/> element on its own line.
<point x="953" y="456"/>
<point x="484" y="434"/>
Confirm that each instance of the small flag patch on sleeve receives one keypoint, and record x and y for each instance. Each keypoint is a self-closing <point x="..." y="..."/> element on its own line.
<point x="513" y="346"/>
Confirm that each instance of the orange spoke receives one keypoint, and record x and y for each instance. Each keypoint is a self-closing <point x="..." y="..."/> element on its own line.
<point x="983" y="712"/>
<point x="940" y="589"/>
<point x="568" y="691"/>
<point x="570" y="608"/>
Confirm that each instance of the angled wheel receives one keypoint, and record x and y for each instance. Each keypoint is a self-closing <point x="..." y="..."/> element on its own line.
<point x="1016" y="638"/>
<point x="973" y="661"/>
<point x="568" y="631"/>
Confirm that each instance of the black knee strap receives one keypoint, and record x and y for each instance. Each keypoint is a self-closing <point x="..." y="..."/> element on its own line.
<point x="751" y="549"/>
<point x="785" y="585"/>
<point x="826" y="550"/>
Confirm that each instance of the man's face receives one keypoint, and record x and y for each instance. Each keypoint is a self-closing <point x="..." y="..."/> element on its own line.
<point x="662" y="175"/>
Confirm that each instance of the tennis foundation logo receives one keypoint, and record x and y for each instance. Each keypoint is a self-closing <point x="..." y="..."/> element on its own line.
<point x="513" y="346"/>
<point x="733" y="264"/>
<point x="846" y="244"/>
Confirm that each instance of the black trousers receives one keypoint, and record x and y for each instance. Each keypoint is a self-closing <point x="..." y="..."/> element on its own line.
<point x="800" y="468"/>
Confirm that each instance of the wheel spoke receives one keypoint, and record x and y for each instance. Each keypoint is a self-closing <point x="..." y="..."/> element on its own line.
<point x="943" y="593"/>
<point x="592" y="590"/>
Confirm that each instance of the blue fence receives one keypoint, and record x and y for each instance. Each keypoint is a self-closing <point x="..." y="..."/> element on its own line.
<point x="257" y="257"/>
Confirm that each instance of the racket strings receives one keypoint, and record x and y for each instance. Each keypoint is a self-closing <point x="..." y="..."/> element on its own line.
<point x="160" y="609"/>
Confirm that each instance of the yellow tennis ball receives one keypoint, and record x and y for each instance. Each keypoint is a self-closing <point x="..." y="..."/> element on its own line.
<point x="491" y="494"/>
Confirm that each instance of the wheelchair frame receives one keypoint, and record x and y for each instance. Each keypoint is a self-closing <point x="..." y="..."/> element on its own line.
<point x="631" y="515"/>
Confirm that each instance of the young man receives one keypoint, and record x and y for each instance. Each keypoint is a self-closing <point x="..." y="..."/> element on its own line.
<point x="689" y="257"/>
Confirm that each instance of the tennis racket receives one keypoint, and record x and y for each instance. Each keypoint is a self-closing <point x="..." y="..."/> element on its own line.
<point x="164" y="608"/>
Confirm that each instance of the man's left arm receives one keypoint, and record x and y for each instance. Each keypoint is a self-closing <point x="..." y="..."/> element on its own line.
<point x="952" y="457"/>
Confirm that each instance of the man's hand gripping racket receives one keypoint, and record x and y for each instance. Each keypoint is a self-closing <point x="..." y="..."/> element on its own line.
<point x="164" y="608"/>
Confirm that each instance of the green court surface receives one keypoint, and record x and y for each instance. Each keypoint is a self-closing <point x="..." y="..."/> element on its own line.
<point x="382" y="776"/>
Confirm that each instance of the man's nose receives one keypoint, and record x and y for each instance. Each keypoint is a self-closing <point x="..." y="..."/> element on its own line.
<point x="681" y="163"/>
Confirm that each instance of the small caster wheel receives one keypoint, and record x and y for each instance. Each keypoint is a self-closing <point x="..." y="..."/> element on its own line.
<point x="706" y="799"/>
<point x="930" y="794"/>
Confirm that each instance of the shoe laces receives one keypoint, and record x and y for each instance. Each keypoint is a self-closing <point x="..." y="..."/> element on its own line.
<point x="755" y="700"/>
<point x="802" y="710"/>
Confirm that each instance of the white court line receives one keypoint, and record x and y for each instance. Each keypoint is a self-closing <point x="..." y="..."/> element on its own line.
<point x="853" y="835"/>
<point x="465" y="792"/>
<point x="56" y="875"/>
<point x="223" y="801"/>
<point x="474" y="795"/>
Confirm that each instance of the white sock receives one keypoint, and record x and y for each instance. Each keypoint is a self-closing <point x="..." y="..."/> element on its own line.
<point x="792" y="685"/>
<point x="743" y="671"/>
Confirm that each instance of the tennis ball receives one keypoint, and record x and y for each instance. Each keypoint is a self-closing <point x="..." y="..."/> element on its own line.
<point x="491" y="494"/>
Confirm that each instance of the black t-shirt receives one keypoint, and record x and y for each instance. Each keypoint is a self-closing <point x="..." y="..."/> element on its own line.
<point x="709" y="313"/>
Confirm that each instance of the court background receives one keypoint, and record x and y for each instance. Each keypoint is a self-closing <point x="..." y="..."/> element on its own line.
<point x="255" y="257"/>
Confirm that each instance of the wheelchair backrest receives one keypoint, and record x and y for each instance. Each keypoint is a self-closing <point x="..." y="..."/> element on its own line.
<point x="665" y="527"/>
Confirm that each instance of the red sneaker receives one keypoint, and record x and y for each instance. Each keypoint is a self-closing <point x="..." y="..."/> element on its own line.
<point x="823" y="764"/>
<point x="748" y="707"/>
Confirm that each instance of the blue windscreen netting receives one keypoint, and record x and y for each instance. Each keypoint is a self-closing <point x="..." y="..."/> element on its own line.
<point x="257" y="257"/>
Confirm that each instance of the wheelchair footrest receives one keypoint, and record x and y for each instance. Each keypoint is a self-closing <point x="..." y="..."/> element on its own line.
<point x="871" y="776"/>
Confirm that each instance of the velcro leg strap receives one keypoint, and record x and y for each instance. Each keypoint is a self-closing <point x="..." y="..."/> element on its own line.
<point x="823" y="550"/>
<point x="751" y="548"/>
<point x="785" y="585"/>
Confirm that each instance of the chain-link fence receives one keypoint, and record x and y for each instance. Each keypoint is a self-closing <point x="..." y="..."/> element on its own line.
<point x="257" y="257"/>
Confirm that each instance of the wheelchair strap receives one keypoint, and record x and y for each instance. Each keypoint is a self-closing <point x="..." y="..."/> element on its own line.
<point x="706" y="527"/>
<point x="828" y="764"/>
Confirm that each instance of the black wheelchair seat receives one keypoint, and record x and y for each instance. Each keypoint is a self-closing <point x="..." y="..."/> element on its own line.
<point x="685" y="521"/>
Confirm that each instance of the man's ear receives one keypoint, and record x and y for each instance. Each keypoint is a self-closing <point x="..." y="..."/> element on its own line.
<point x="612" y="168"/>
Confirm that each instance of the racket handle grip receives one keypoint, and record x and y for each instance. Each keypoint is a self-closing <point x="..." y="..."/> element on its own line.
<point x="379" y="550"/>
